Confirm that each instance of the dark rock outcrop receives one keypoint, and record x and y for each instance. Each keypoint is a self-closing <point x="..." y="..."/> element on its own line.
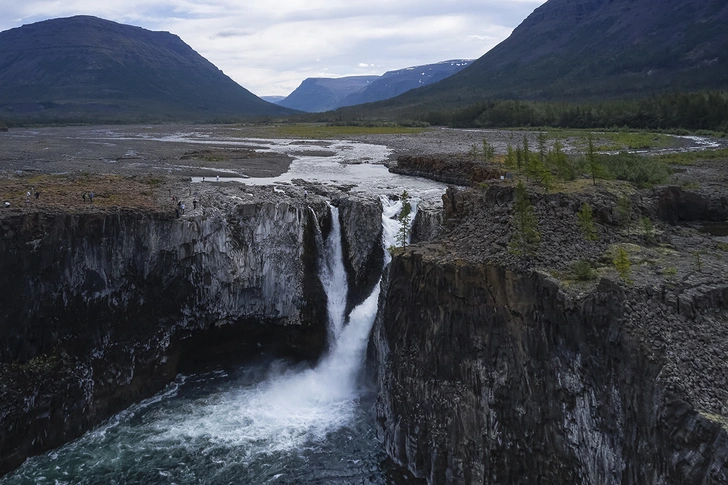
<point x="489" y="375"/>
<point x="105" y="308"/>
<point x="449" y="169"/>
<point x="361" y="228"/>
<point x="493" y="371"/>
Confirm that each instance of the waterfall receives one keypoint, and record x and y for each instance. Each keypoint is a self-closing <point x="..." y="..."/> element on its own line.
<point x="247" y="431"/>
<point x="293" y="407"/>
<point x="333" y="276"/>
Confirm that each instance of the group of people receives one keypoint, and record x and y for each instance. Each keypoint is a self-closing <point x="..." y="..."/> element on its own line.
<point x="180" y="210"/>
<point x="88" y="196"/>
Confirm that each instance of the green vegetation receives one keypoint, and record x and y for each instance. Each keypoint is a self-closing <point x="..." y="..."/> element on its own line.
<point x="488" y="151"/>
<point x="688" y="158"/>
<point x="723" y="246"/>
<point x="622" y="265"/>
<point x="594" y="166"/>
<point x="698" y="261"/>
<point x="586" y="223"/>
<point x="704" y="110"/>
<point x="624" y="209"/>
<point x="403" y="232"/>
<point x="648" y="230"/>
<point x="583" y="271"/>
<point x="526" y="236"/>
<point x="638" y="169"/>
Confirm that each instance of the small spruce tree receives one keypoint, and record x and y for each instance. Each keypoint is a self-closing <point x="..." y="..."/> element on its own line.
<point x="593" y="165"/>
<point x="586" y="223"/>
<point x="623" y="265"/>
<point x="510" y="160"/>
<point x="488" y="151"/>
<point x="560" y="162"/>
<point x="648" y="230"/>
<point x="526" y="236"/>
<point x="404" y="230"/>
<point x="624" y="209"/>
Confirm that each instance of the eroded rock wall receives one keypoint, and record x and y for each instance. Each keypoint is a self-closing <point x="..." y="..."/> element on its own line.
<point x="490" y="375"/>
<point x="98" y="310"/>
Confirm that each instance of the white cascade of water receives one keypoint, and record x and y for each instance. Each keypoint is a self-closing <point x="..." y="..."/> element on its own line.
<point x="293" y="407"/>
<point x="333" y="276"/>
<point x="390" y="224"/>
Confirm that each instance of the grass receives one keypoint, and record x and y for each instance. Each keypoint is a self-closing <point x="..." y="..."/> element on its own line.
<point x="688" y="158"/>
<point x="318" y="130"/>
<point x="630" y="140"/>
<point x="618" y="140"/>
<point x="65" y="192"/>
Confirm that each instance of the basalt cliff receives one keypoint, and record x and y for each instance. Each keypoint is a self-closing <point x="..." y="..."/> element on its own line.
<point x="490" y="367"/>
<point x="494" y="368"/>
<point x="102" y="308"/>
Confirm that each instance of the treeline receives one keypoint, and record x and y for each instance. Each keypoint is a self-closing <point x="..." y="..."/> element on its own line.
<point x="705" y="110"/>
<point x="547" y="162"/>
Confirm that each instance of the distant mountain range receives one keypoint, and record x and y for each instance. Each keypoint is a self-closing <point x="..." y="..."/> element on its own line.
<point x="324" y="94"/>
<point x="588" y="50"/>
<point x="89" y="69"/>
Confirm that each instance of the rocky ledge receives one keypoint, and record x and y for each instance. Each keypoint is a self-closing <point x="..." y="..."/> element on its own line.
<point x="496" y="368"/>
<point x="448" y="168"/>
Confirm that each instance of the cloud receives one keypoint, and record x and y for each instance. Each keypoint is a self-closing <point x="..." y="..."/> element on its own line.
<point x="270" y="47"/>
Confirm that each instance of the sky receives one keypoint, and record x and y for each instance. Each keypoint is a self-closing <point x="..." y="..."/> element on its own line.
<point x="271" y="46"/>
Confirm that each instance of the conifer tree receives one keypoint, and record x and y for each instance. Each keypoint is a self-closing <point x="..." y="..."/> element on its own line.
<point x="623" y="265"/>
<point x="403" y="232"/>
<point x="560" y="161"/>
<point x="624" y="209"/>
<point x="542" y="150"/>
<point x="488" y="151"/>
<point x="586" y="223"/>
<point x="510" y="160"/>
<point x="594" y="167"/>
<point x="526" y="236"/>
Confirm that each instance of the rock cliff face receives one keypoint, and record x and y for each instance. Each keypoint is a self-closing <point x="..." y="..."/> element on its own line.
<point x="496" y="373"/>
<point x="103" y="309"/>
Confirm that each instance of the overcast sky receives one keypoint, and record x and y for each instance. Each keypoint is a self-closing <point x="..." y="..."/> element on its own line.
<point x="270" y="46"/>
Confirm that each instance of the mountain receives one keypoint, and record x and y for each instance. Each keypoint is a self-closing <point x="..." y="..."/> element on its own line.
<point x="86" y="68"/>
<point x="316" y="94"/>
<point x="592" y="49"/>
<point x="394" y="83"/>
<point x="273" y="99"/>
<point x="323" y="94"/>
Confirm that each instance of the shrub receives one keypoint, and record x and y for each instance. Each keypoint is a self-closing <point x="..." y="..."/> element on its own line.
<point x="583" y="270"/>
<point x="640" y="170"/>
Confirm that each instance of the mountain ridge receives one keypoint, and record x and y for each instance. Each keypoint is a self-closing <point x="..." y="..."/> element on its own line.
<point x="324" y="94"/>
<point x="591" y="49"/>
<point x="87" y="67"/>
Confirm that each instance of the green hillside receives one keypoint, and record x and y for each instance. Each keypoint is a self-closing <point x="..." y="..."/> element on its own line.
<point x="588" y="50"/>
<point x="88" y="69"/>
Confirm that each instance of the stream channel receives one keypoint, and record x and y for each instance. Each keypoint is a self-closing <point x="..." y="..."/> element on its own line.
<point x="267" y="423"/>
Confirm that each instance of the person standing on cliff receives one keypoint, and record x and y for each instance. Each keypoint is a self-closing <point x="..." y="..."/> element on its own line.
<point x="84" y="196"/>
<point x="91" y="197"/>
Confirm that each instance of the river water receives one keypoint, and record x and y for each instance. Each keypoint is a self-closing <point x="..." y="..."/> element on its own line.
<point x="268" y="423"/>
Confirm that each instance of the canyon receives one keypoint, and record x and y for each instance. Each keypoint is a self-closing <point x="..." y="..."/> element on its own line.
<point x="489" y="368"/>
